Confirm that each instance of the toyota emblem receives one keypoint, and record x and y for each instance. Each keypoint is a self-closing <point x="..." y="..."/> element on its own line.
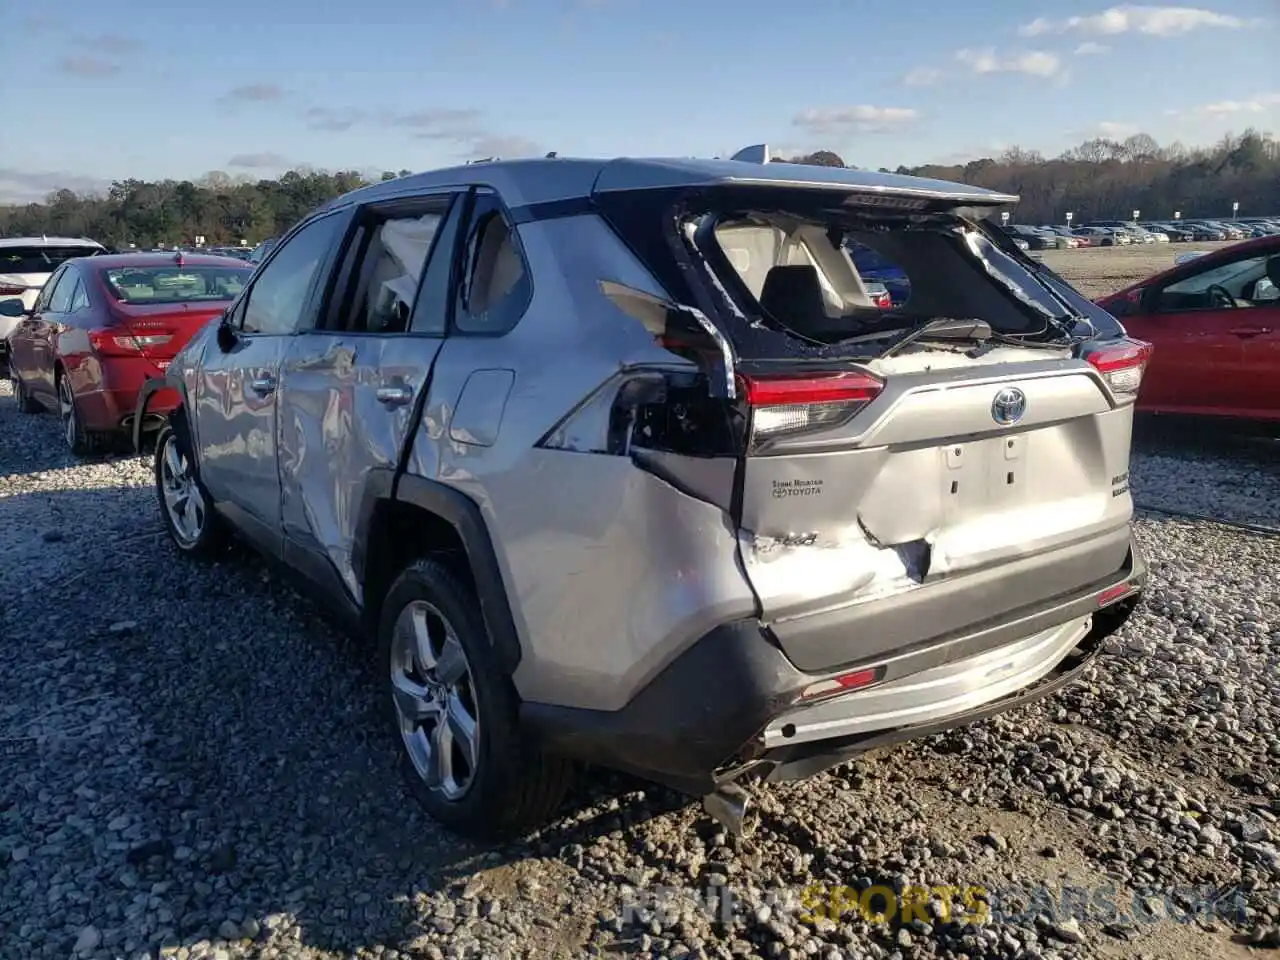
<point x="1008" y="406"/>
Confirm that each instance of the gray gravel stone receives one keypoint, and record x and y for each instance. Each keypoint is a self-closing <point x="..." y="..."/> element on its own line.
<point x="194" y="765"/>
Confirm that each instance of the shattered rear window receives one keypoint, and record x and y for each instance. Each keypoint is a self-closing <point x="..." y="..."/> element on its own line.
<point x="807" y="271"/>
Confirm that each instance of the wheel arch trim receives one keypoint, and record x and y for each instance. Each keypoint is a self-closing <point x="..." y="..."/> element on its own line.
<point x="382" y="485"/>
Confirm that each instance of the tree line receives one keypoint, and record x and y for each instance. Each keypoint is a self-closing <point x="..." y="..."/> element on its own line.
<point x="1098" y="180"/>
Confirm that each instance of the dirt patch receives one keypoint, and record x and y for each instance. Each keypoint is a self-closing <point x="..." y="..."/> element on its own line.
<point x="1097" y="271"/>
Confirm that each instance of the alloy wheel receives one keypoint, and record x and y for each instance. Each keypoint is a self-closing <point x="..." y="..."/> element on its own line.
<point x="67" y="407"/>
<point x="183" y="500"/>
<point x="434" y="697"/>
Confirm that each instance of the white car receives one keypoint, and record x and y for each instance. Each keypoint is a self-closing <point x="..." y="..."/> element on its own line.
<point x="26" y="263"/>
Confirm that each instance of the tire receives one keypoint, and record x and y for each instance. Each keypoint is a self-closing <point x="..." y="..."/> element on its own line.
<point x="513" y="787"/>
<point x="81" y="441"/>
<point x="26" y="403"/>
<point x="178" y="482"/>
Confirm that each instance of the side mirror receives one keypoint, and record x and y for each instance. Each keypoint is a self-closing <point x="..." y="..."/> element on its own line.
<point x="13" y="308"/>
<point x="227" y="336"/>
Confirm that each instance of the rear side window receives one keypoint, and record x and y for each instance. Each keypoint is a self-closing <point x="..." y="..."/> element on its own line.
<point x="40" y="259"/>
<point x="495" y="287"/>
<point x="79" y="299"/>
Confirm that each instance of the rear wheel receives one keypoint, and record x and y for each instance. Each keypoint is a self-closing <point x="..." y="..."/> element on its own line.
<point x="26" y="403"/>
<point x="455" y="713"/>
<point x="192" y="524"/>
<point x="83" y="442"/>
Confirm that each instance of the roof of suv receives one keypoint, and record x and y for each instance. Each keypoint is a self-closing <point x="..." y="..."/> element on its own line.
<point x="552" y="179"/>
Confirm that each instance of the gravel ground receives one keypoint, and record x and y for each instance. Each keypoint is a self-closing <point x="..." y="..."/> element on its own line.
<point x="192" y="764"/>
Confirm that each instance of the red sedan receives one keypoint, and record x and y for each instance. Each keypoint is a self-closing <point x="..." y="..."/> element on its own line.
<point x="1214" y="323"/>
<point x="102" y="326"/>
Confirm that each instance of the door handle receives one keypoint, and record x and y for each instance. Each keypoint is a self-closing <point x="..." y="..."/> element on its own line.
<point x="263" y="385"/>
<point x="394" y="395"/>
<point x="1249" y="331"/>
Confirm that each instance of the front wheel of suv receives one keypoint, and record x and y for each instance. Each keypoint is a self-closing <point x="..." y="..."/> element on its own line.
<point x="188" y="514"/>
<point x="456" y="713"/>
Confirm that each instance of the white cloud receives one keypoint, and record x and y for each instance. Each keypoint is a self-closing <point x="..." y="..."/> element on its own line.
<point x="1152" y="21"/>
<point x="265" y="159"/>
<point x="859" y="119"/>
<point x="31" y="186"/>
<point x="1260" y="103"/>
<point x="922" y="77"/>
<point x="1114" y="130"/>
<point x="1036" y="63"/>
<point x="1090" y="48"/>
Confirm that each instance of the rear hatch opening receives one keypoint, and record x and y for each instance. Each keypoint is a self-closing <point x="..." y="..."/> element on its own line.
<point x="981" y="422"/>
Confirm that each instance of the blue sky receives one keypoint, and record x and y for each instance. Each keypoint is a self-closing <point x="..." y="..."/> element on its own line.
<point x="158" y="88"/>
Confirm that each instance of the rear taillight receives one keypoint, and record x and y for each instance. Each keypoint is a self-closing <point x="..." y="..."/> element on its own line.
<point x="11" y="291"/>
<point x="845" y="683"/>
<point x="111" y="342"/>
<point x="882" y="299"/>
<point x="1122" y="365"/>
<point x="792" y="404"/>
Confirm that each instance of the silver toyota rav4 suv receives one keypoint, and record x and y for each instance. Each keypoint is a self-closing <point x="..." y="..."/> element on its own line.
<point x="619" y="463"/>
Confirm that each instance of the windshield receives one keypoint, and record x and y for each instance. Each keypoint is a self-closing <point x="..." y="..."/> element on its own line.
<point x="41" y="259"/>
<point x="175" y="284"/>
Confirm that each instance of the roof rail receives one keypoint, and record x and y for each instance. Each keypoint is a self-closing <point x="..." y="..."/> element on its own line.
<point x="756" y="153"/>
<point x="482" y="160"/>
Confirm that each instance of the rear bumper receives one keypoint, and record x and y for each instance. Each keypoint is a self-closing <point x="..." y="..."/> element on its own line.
<point x="114" y="405"/>
<point x="731" y="701"/>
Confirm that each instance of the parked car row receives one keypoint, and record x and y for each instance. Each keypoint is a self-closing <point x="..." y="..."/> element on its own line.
<point x="1115" y="233"/>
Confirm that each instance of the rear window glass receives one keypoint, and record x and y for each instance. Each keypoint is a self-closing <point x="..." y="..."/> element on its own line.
<point x="809" y="274"/>
<point x="40" y="259"/>
<point x="174" y="284"/>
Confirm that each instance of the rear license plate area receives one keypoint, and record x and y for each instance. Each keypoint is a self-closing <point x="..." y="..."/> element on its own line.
<point x="985" y="474"/>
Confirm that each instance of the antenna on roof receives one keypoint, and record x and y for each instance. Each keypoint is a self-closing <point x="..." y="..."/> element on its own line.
<point x="756" y="153"/>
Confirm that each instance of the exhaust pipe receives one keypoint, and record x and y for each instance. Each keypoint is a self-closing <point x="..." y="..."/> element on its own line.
<point x="730" y="806"/>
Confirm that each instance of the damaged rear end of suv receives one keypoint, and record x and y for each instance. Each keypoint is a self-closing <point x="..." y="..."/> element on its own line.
<point x="920" y="514"/>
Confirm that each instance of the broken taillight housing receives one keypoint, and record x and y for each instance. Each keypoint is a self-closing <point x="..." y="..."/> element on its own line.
<point x="882" y="299"/>
<point x="787" y="405"/>
<point x="1122" y="364"/>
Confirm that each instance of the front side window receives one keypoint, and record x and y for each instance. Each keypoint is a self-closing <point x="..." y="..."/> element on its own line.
<point x="61" y="299"/>
<point x="1240" y="283"/>
<point x="46" y="293"/>
<point x="280" y="296"/>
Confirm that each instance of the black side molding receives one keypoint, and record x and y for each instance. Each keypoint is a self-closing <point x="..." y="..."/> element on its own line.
<point x="379" y="486"/>
<point x="149" y="388"/>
